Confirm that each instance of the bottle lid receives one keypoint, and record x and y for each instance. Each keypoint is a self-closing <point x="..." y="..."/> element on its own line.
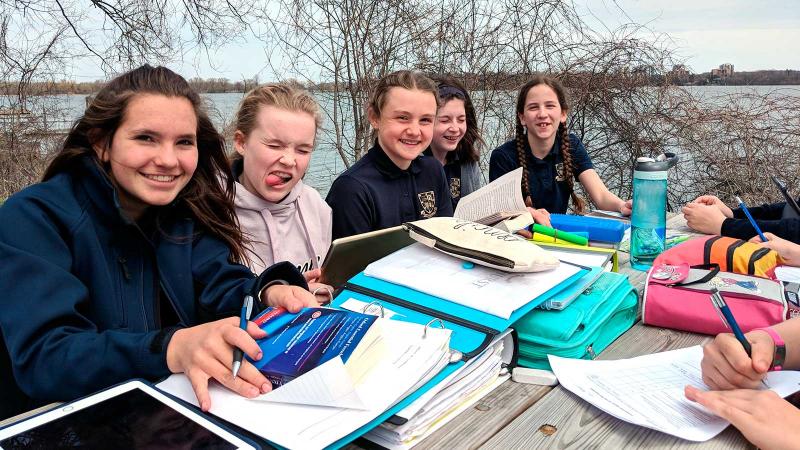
<point x="662" y="163"/>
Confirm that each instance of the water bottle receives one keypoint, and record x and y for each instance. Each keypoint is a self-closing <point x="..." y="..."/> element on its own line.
<point x="649" y="217"/>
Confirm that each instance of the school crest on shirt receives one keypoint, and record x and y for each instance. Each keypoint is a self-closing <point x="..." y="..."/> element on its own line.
<point x="427" y="201"/>
<point x="455" y="187"/>
<point x="560" y="172"/>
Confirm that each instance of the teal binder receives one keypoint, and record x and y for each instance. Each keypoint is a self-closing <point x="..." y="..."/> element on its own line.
<point x="472" y="330"/>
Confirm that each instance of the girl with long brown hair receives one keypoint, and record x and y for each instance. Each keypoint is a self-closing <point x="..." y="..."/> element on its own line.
<point x="551" y="157"/>
<point x="124" y="261"/>
<point x="456" y="138"/>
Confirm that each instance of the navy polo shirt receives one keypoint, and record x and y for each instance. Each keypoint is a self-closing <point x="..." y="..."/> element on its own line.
<point x="374" y="194"/>
<point x="452" y="172"/>
<point x="547" y="189"/>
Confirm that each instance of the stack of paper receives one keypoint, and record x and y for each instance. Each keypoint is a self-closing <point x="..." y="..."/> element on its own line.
<point x="482" y="288"/>
<point x="329" y="413"/>
<point x="443" y="402"/>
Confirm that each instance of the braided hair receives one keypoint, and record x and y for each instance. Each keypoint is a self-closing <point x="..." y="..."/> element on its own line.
<point x="521" y="139"/>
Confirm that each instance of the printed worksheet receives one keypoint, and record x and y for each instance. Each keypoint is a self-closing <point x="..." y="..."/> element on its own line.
<point x="489" y="290"/>
<point x="648" y="390"/>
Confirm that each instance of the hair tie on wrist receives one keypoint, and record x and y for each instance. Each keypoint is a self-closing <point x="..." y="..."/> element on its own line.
<point x="328" y="290"/>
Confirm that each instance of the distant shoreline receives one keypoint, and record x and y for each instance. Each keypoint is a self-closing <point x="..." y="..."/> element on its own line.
<point x="500" y="81"/>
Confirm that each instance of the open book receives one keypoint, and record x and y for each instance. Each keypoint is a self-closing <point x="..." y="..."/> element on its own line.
<point x="499" y="204"/>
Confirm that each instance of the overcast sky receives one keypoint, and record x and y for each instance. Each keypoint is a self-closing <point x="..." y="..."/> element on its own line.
<point x="751" y="35"/>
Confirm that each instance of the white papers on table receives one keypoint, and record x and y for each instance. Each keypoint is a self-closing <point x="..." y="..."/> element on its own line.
<point x="501" y="199"/>
<point x="485" y="289"/>
<point x="311" y="427"/>
<point x="788" y="273"/>
<point x="445" y="401"/>
<point x="649" y="390"/>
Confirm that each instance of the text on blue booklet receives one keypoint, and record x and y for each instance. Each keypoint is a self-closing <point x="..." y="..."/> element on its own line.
<point x="297" y="343"/>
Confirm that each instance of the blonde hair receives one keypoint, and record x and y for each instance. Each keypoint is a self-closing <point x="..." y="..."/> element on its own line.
<point x="286" y="96"/>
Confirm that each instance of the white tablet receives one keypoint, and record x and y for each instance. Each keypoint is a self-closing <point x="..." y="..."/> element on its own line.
<point x="131" y="415"/>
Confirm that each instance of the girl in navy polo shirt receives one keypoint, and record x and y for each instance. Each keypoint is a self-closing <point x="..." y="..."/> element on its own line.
<point x="551" y="157"/>
<point x="456" y="139"/>
<point x="393" y="183"/>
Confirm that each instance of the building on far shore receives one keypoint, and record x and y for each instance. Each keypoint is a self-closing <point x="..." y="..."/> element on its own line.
<point x="724" y="71"/>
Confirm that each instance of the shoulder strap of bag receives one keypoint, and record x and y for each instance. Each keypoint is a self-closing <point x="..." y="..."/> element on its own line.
<point x="713" y="269"/>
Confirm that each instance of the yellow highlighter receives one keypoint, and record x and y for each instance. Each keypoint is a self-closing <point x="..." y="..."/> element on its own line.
<point x="539" y="237"/>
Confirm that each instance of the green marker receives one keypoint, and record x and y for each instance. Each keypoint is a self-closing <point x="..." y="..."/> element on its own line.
<point x="552" y="232"/>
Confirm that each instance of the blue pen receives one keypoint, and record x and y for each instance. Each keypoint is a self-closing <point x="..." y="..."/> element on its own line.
<point x="727" y="318"/>
<point x="752" y="221"/>
<point x="238" y="354"/>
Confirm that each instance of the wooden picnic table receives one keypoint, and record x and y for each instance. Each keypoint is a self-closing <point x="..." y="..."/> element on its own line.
<point x="526" y="416"/>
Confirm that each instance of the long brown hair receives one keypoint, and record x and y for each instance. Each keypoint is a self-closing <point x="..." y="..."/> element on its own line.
<point x="468" y="148"/>
<point x="522" y="139"/>
<point x="208" y="197"/>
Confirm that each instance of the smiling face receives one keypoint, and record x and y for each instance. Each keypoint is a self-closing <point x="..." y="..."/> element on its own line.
<point x="276" y="152"/>
<point x="153" y="153"/>
<point x="541" y="114"/>
<point x="405" y="124"/>
<point x="451" y="125"/>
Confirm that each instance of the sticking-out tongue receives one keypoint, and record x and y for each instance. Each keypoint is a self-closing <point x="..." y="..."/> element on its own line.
<point x="273" y="180"/>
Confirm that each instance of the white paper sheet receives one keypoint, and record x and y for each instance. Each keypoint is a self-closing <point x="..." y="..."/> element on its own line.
<point x="485" y="289"/>
<point x="328" y="384"/>
<point x="788" y="273"/>
<point x="501" y="195"/>
<point x="649" y="390"/>
<point x="312" y="427"/>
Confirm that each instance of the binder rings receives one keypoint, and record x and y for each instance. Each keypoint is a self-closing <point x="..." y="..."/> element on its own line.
<point x="472" y="330"/>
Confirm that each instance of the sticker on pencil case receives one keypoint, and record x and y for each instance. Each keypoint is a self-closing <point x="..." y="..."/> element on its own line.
<point x="721" y="283"/>
<point x="667" y="274"/>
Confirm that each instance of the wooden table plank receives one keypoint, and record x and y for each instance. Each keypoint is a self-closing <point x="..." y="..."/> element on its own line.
<point x="491" y="414"/>
<point x="578" y="424"/>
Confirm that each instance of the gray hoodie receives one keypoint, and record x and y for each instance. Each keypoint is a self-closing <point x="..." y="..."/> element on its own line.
<point x="298" y="229"/>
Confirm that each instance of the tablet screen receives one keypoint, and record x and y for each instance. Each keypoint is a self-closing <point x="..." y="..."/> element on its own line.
<point x="132" y="419"/>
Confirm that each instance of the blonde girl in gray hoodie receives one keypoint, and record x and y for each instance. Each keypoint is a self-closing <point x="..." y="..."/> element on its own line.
<point x="283" y="219"/>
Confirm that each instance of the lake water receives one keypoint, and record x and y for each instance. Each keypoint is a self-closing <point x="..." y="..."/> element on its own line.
<point x="326" y="164"/>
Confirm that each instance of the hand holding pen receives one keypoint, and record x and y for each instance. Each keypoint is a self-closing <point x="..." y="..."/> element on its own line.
<point x="744" y="209"/>
<point x="244" y="316"/>
<point x="725" y="365"/>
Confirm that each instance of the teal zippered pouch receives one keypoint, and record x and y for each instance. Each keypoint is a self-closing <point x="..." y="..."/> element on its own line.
<point x="583" y="329"/>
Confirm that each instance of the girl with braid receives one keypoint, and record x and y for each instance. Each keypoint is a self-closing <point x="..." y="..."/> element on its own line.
<point x="550" y="156"/>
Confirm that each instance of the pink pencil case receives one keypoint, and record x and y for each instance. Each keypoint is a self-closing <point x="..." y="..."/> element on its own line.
<point x="678" y="297"/>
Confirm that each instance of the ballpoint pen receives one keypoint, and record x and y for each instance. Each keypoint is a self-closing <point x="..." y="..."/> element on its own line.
<point x="238" y="354"/>
<point x="749" y="217"/>
<point x="727" y="318"/>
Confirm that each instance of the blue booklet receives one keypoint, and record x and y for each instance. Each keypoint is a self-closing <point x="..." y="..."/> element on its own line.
<point x="297" y="343"/>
